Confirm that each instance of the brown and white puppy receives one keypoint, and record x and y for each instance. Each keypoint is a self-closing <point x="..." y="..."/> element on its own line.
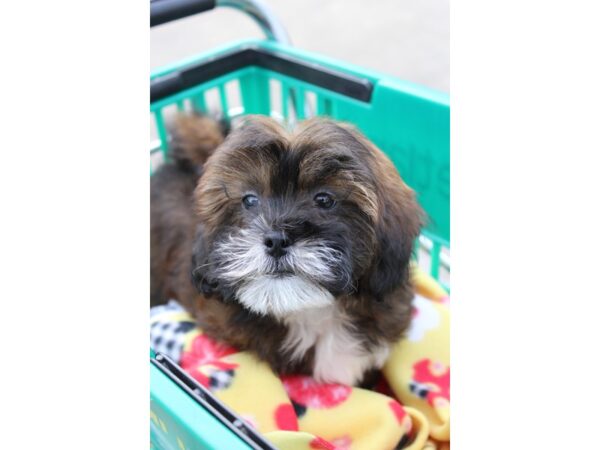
<point x="298" y="244"/>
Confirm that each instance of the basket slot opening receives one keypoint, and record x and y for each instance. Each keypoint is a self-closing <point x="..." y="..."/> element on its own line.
<point x="156" y="160"/>
<point x="156" y="154"/>
<point x="444" y="267"/>
<point x="422" y="256"/>
<point x="188" y="105"/>
<point x="310" y="102"/>
<point x="434" y="258"/>
<point x="169" y="112"/>
<point x="223" y="101"/>
<point x="213" y="102"/>
<point x="233" y="94"/>
<point x="153" y="131"/>
<point x="275" y="99"/>
<point x="162" y="118"/>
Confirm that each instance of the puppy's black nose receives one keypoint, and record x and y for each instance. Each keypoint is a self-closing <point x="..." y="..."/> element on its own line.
<point x="276" y="243"/>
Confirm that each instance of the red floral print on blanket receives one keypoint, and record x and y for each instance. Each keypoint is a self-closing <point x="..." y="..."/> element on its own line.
<point x="319" y="443"/>
<point x="206" y="352"/>
<point x="341" y="443"/>
<point x="306" y="391"/>
<point x="398" y="410"/>
<point x="285" y="417"/>
<point x="431" y="382"/>
<point x="401" y="415"/>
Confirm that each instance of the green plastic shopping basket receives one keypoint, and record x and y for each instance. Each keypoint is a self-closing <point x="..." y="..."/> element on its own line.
<point x="408" y="122"/>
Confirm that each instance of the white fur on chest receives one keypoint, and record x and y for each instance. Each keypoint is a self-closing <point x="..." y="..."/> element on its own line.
<point x="339" y="356"/>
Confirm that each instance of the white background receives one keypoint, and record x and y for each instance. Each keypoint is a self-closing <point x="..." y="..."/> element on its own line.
<point x="74" y="238"/>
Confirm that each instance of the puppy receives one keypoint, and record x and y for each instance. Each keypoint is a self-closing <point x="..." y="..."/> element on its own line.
<point x="298" y="245"/>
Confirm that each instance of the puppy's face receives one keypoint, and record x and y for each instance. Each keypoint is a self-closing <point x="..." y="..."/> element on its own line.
<point x="290" y="222"/>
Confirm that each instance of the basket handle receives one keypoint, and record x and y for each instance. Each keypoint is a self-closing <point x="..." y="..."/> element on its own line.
<point x="163" y="11"/>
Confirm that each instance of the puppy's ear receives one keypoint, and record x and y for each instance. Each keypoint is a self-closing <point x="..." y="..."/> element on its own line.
<point x="398" y="224"/>
<point x="396" y="215"/>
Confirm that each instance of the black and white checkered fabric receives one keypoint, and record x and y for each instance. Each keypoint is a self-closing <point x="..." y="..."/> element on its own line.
<point x="166" y="334"/>
<point x="220" y="379"/>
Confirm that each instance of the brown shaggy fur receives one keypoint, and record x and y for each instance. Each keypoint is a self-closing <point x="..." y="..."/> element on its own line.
<point x="172" y="223"/>
<point x="378" y="217"/>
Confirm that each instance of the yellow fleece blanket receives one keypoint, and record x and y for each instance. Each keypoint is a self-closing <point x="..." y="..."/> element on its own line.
<point x="408" y="409"/>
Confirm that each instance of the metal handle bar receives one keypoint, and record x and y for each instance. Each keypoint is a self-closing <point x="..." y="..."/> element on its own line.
<point x="164" y="11"/>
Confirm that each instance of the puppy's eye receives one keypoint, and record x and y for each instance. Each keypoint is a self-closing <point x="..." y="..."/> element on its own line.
<point x="324" y="200"/>
<point x="250" y="200"/>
